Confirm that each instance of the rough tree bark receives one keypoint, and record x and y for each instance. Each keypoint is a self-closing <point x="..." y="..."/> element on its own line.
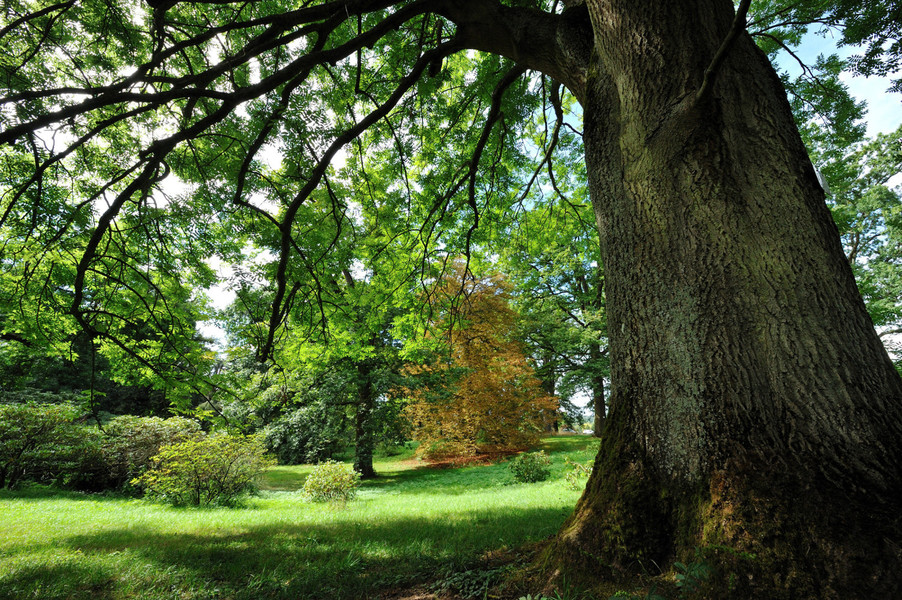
<point x="363" y="428"/>
<point x="598" y="404"/>
<point x="753" y="406"/>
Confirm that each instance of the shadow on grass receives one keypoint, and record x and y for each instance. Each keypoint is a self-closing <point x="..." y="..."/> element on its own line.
<point x="37" y="492"/>
<point x="465" y="480"/>
<point x="422" y="477"/>
<point x="439" y="481"/>
<point x="340" y="560"/>
<point x="68" y="581"/>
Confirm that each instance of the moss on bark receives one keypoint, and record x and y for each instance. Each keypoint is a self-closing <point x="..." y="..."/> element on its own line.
<point x="761" y="532"/>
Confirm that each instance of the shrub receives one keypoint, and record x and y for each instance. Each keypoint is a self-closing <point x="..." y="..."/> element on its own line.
<point x="331" y="481"/>
<point x="132" y="441"/>
<point x="308" y="434"/>
<point x="81" y="463"/>
<point x="202" y="471"/>
<point x="530" y="467"/>
<point x="37" y="441"/>
<point x="578" y="474"/>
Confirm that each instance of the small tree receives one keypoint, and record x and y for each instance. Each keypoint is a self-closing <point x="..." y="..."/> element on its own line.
<point x="307" y="434"/>
<point x="490" y="400"/>
<point x="217" y="469"/>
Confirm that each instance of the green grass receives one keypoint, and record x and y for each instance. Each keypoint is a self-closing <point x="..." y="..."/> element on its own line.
<point x="405" y="527"/>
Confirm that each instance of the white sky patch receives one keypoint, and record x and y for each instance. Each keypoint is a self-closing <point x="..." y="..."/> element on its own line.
<point x="214" y="50"/>
<point x="582" y="399"/>
<point x="210" y="330"/>
<point x="254" y="66"/>
<point x="340" y="160"/>
<point x="359" y="271"/>
<point x="271" y="155"/>
<point x="265" y="202"/>
<point x="170" y="187"/>
<point x="355" y="212"/>
<point x="223" y="293"/>
<point x="297" y="46"/>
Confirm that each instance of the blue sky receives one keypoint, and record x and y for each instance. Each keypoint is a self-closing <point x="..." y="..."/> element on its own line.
<point x="884" y="108"/>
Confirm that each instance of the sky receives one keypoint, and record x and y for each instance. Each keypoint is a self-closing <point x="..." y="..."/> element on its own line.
<point x="884" y="108"/>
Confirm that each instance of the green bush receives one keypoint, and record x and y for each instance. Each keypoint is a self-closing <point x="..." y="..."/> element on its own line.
<point x="530" y="467"/>
<point x="131" y="442"/>
<point x="202" y="471"/>
<point x="331" y="481"/>
<point x="578" y="474"/>
<point x="81" y="463"/>
<point x="38" y="442"/>
<point x="305" y="435"/>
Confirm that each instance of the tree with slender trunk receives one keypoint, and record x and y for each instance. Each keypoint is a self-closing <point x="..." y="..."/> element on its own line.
<point x="753" y="406"/>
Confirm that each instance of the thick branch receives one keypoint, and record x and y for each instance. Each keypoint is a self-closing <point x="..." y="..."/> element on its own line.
<point x="9" y="336"/>
<point x="493" y="116"/>
<point x="556" y="45"/>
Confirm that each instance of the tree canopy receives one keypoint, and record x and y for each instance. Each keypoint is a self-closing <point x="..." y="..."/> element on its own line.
<point x="142" y="139"/>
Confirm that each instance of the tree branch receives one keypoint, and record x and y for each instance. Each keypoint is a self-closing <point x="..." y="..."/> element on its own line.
<point x="719" y="56"/>
<point x="340" y="141"/>
<point x="556" y="45"/>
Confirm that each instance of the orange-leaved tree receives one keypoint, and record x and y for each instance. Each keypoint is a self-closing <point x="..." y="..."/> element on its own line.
<point x="484" y="396"/>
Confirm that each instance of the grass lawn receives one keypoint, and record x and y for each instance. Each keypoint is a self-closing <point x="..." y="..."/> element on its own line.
<point x="410" y="525"/>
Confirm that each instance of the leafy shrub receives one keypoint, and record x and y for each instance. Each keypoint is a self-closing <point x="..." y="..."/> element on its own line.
<point x="305" y="435"/>
<point x="30" y="395"/>
<point x="331" y="481"/>
<point x="202" y="471"/>
<point x="692" y="575"/>
<point x="80" y="462"/>
<point x="530" y="467"/>
<point x="38" y="441"/>
<point x="578" y="474"/>
<point x="132" y="441"/>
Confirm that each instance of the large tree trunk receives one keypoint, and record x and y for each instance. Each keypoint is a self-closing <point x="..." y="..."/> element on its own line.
<point x="753" y="406"/>
<point x="598" y="404"/>
<point x="548" y="382"/>
<point x="363" y="427"/>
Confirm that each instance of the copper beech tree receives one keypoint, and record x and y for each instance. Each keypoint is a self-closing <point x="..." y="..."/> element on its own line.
<point x="487" y="398"/>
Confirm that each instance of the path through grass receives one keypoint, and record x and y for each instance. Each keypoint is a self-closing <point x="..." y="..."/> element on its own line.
<point x="403" y="528"/>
